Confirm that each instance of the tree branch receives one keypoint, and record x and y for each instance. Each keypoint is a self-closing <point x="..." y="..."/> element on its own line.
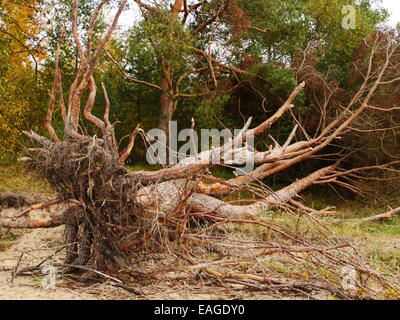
<point x="121" y="70"/>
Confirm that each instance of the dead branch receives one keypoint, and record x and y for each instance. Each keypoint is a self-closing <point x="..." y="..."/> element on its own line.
<point x="48" y="126"/>
<point x="45" y="205"/>
<point x="35" y="224"/>
<point x="127" y="151"/>
<point x="384" y="216"/>
<point x="218" y="14"/>
<point x="129" y="78"/>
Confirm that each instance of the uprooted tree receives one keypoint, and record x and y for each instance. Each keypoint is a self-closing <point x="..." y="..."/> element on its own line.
<point x="115" y="213"/>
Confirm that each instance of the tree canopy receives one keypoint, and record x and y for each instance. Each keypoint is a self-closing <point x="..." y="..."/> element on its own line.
<point x="215" y="61"/>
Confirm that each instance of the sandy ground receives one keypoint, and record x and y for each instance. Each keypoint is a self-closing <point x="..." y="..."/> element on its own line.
<point x="25" y="288"/>
<point x="35" y="246"/>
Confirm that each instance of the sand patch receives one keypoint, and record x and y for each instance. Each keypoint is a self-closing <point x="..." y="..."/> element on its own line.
<point x="35" y="246"/>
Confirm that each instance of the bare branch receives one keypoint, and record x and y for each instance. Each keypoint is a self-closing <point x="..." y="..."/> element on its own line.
<point x="107" y="106"/>
<point x="223" y="66"/>
<point x="127" y="151"/>
<point x="384" y="216"/>
<point x="91" y="28"/>
<point x="146" y="6"/>
<point x="122" y="71"/>
<point x="87" y="112"/>
<point x="217" y="15"/>
<point x="50" y="109"/>
<point x="75" y="31"/>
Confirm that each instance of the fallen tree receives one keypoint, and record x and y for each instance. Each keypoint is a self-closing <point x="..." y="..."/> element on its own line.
<point x="117" y="214"/>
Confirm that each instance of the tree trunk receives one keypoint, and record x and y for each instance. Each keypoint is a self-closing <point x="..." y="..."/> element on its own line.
<point x="166" y="106"/>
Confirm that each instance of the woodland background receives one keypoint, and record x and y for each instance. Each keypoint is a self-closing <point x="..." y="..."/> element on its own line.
<point x="275" y="43"/>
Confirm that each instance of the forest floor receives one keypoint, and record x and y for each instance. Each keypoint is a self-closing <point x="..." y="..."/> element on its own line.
<point x="378" y="241"/>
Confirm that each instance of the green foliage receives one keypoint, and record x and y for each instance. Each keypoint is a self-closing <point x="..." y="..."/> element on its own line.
<point x="276" y="83"/>
<point x="161" y="40"/>
<point x="208" y="113"/>
<point x="339" y="44"/>
<point x="167" y="42"/>
<point x="289" y="25"/>
<point x="286" y="26"/>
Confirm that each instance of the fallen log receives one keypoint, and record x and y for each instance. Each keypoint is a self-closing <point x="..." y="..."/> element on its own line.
<point x="384" y="216"/>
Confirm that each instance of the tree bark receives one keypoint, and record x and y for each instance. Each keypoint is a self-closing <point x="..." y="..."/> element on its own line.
<point x="166" y="104"/>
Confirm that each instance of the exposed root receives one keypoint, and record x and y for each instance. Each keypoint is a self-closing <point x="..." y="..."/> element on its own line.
<point x="35" y="224"/>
